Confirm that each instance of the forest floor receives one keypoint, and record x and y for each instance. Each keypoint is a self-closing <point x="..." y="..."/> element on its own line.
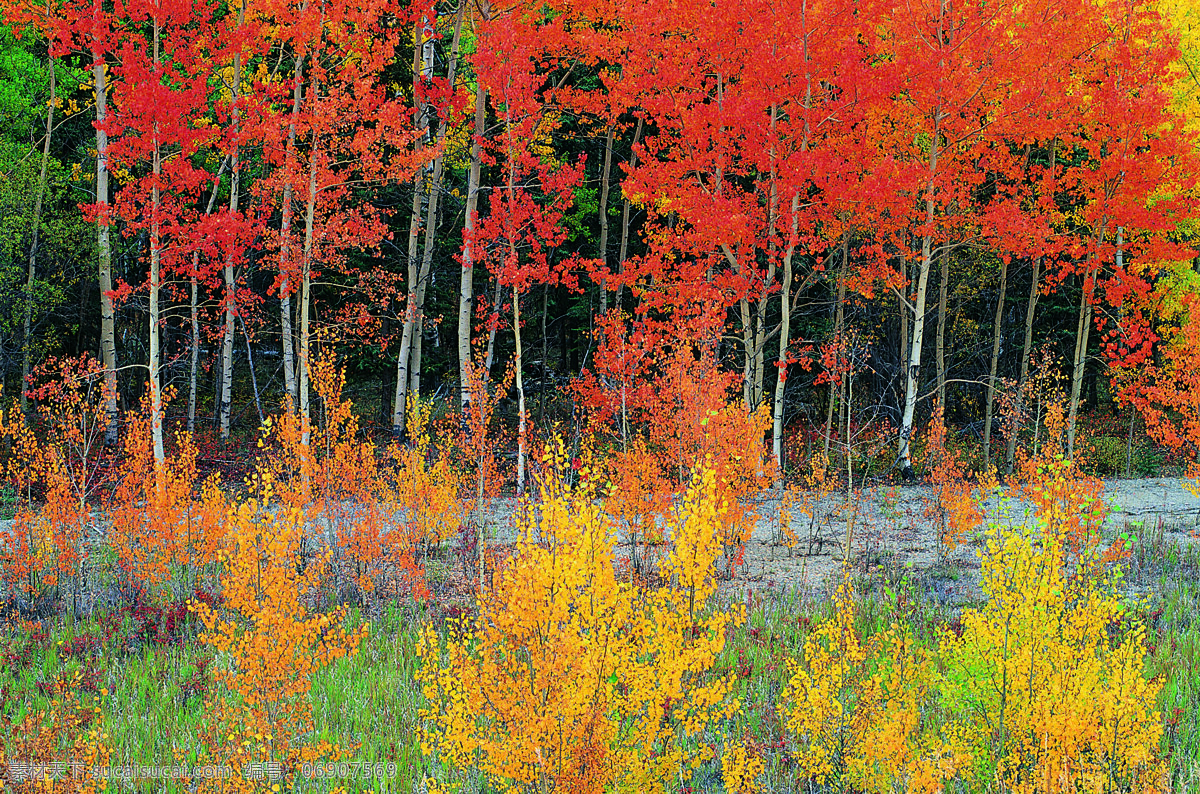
<point x="892" y="538"/>
<point x="892" y="534"/>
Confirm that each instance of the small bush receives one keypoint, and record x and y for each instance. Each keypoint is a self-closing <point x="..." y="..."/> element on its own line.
<point x="1147" y="461"/>
<point x="1105" y="456"/>
<point x="570" y="680"/>
<point x="1043" y="688"/>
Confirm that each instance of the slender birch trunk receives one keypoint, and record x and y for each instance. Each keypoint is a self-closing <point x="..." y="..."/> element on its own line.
<point x="466" y="280"/>
<point x="490" y="352"/>
<point x="1082" y="334"/>
<point x="420" y="121"/>
<point x="758" y="389"/>
<point x="404" y="359"/>
<point x="285" y="238"/>
<point x="1010" y="452"/>
<point x="747" y="346"/>
<point x="302" y="385"/>
<point x="990" y="403"/>
<point x="231" y="308"/>
<point x="108" y="334"/>
<point x="785" y="332"/>
<point x="785" y="306"/>
<point x="431" y="211"/>
<point x="306" y="282"/>
<point x="940" y="342"/>
<point x="194" y="307"/>
<point x="605" y="187"/>
<point x="758" y="393"/>
<point x="35" y="236"/>
<point x="912" y="371"/>
<point x="839" y="318"/>
<point x="902" y="355"/>
<point x="624" y="250"/>
<point x="414" y="371"/>
<point x="156" y="406"/>
<point x="520" y="382"/>
<point x="253" y="377"/>
<point x="518" y="362"/>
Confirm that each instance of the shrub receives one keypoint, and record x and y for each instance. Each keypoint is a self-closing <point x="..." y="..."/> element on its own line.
<point x="1042" y="689"/>
<point x="951" y="504"/>
<point x="1049" y="676"/>
<point x="56" y="749"/>
<point x="638" y="498"/>
<point x="570" y="680"/>
<point x="1106" y="456"/>
<point x="333" y="481"/>
<point x="61" y="465"/>
<point x="158" y="527"/>
<point x="273" y="642"/>
<point x="856" y="709"/>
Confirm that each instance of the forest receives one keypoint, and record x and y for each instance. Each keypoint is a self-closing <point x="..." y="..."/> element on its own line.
<point x="599" y="395"/>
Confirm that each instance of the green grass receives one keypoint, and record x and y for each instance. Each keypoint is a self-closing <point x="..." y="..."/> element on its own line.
<point x="372" y="698"/>
<point x="1174" y="618"/>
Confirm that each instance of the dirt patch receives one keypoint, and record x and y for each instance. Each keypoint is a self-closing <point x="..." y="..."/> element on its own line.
<point x="890" y="534"/>
<point x="891" y="531"/>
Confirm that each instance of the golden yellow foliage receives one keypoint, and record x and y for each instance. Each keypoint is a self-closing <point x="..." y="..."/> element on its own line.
<point x="854" y="708"/>
<point x="427" y="487"/>
<point x="740" y="769"/>
<point x="571" y="680"/>
<point x="1049" y="676"/>
<point x="1042" y="689"/>
<point x="62" y="744"/>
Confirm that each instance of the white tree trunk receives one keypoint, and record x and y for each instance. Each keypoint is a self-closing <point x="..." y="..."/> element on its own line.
<point x="785" y="329"/>
<point x="605" y="189"/>
<point x="939" y="345"/>
<point x="108" y="335"/>
<point x="839" y="316"/>
<point x="226" y="401"/>
<point x="409" y="361"/>
<point x="625" y="208"/>
<point x="420" y="122"/>
<point x="194" y="308"/>
<point x="466" y="280"/>
<point x="156" y="406"/>
<point x="520" y="392"/>
<point x="912" y="371"/>
<point x="990" y="402"/>
<point x="1082" y="335"/>
<point x="285" y="236"/>
<point x="306" y="286"/>
<point x="35" y="236"/>
<point x="1010" y="452"/>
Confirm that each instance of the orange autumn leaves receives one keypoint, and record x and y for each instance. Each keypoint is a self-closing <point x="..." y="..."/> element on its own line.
<point x="44" y="545"/>
<point x="172" y="536"/>
<point x="273" y="638"/>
